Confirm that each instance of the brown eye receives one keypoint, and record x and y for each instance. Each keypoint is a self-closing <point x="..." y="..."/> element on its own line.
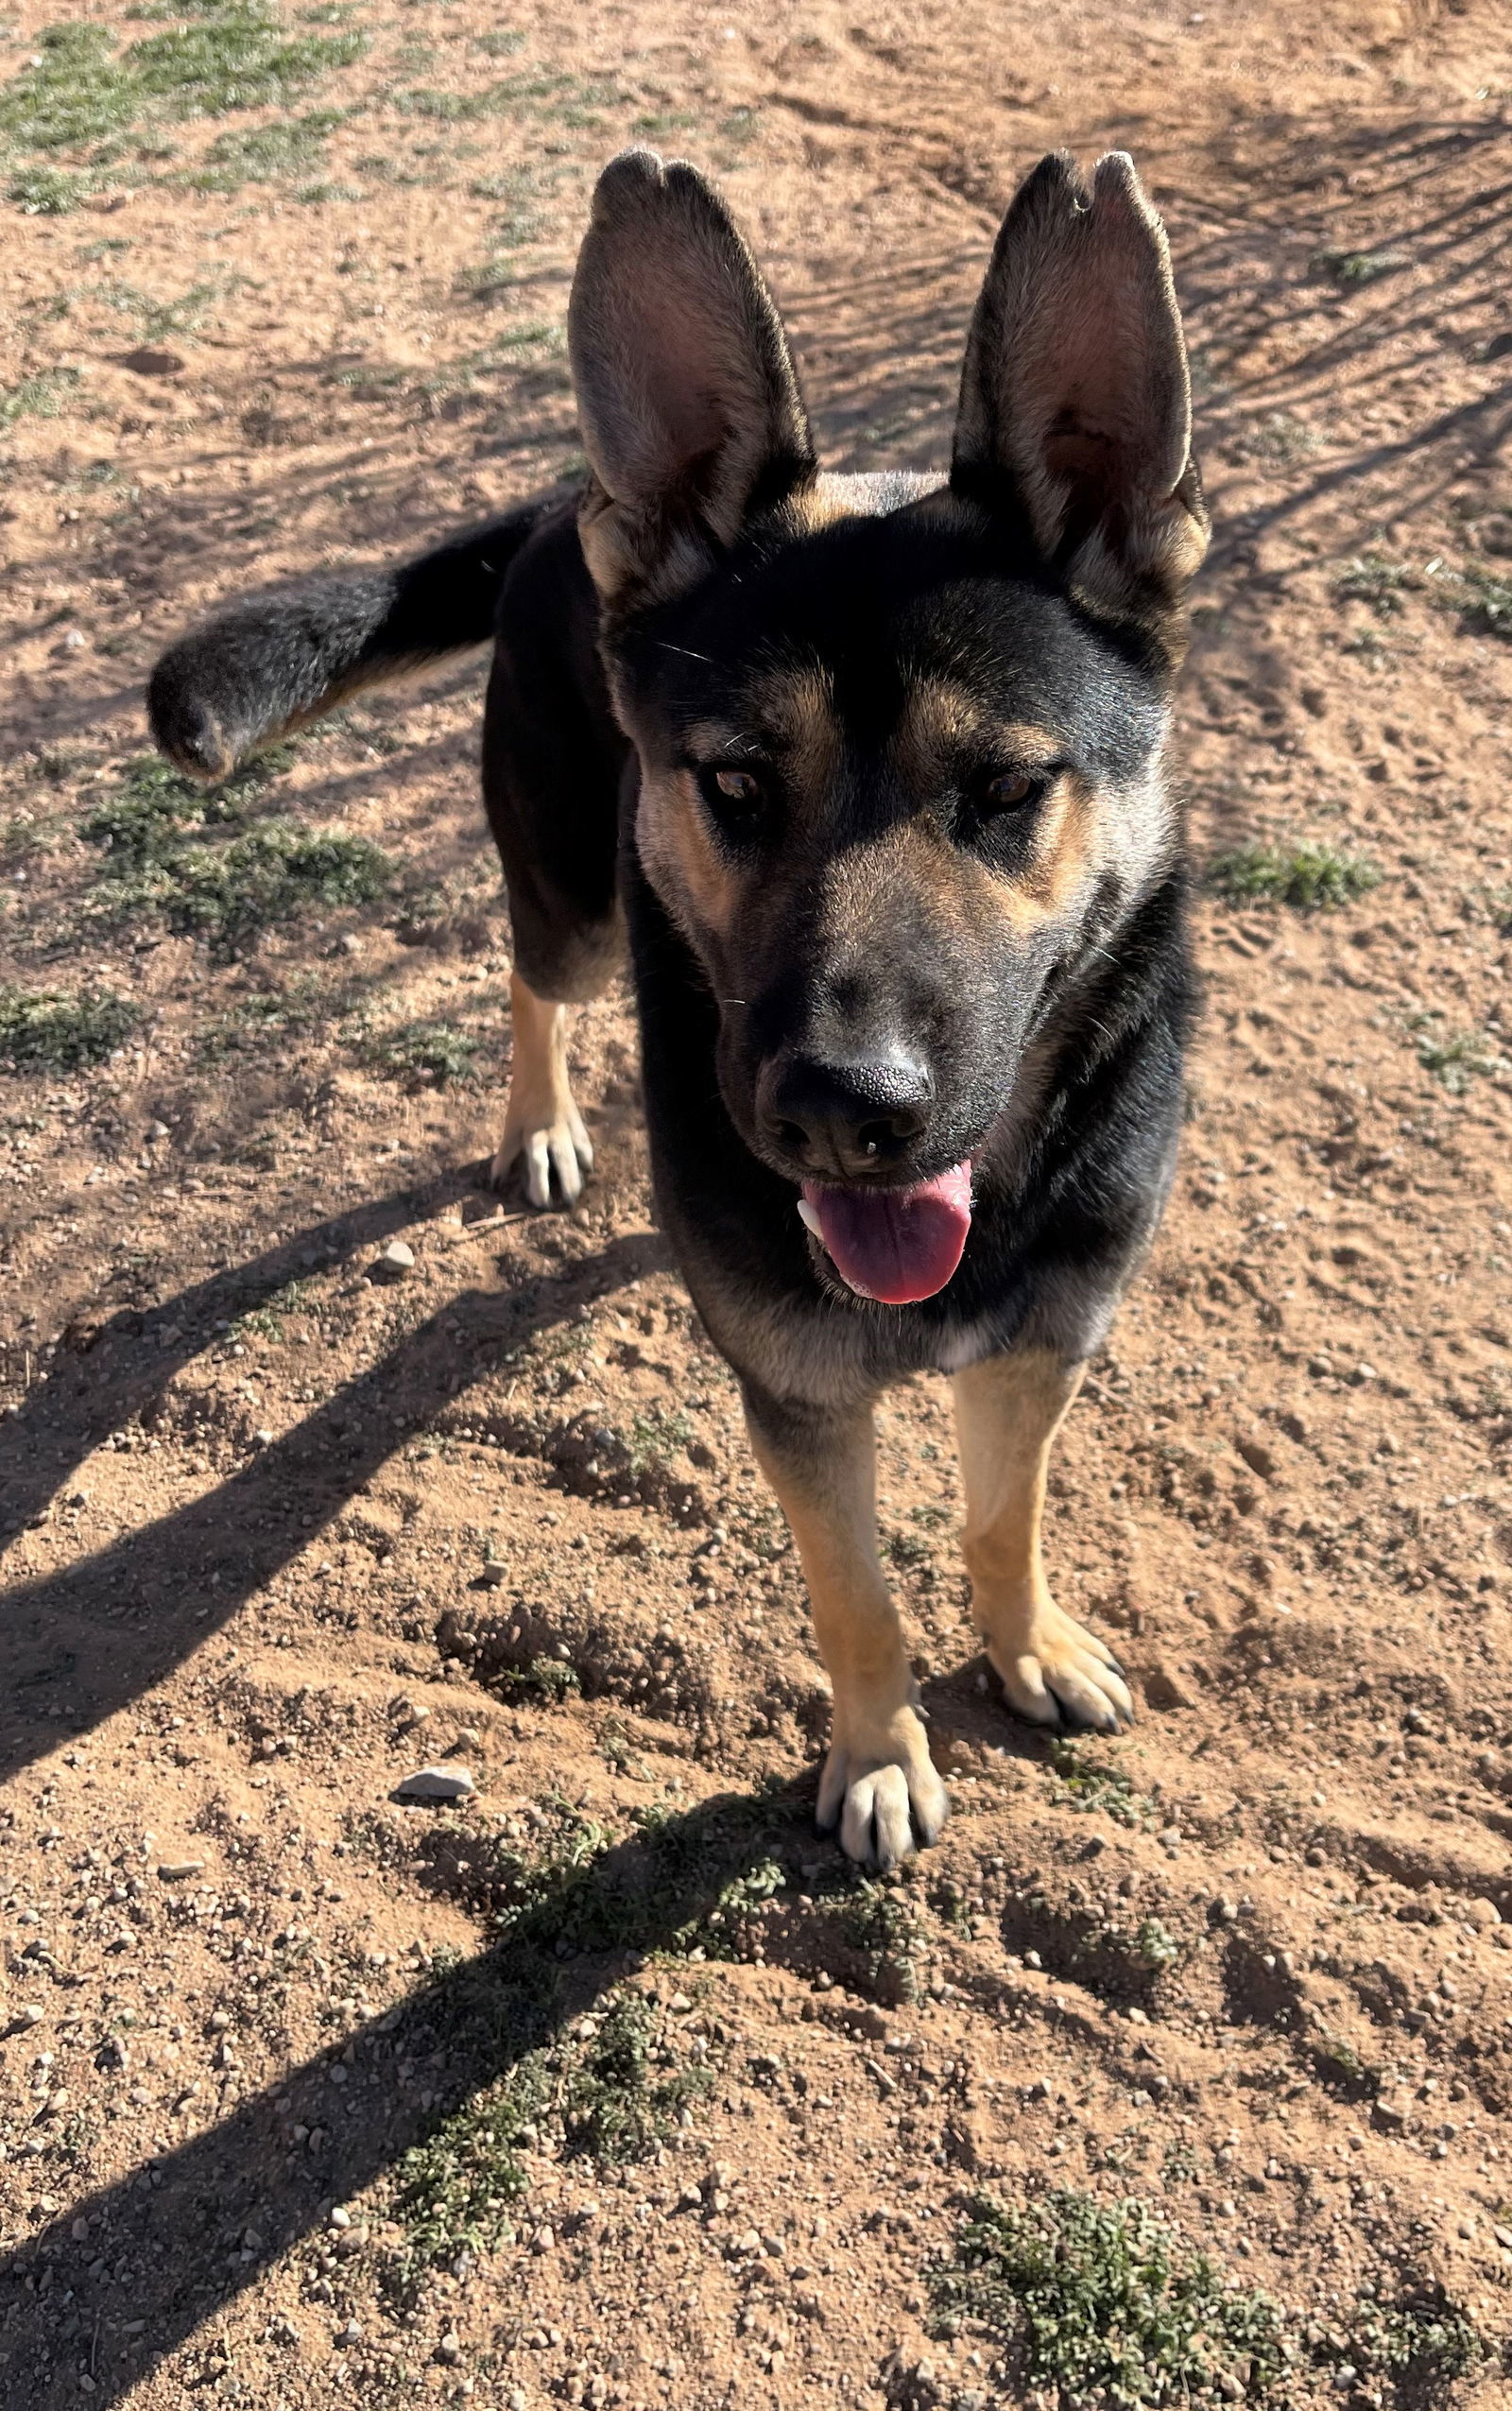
<point x="1009" y="789"/>
<point x="735" y="795"/>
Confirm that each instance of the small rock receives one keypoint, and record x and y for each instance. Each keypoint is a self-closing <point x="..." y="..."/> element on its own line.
<point x="340" y="2217"/>
<point x="397" y="1259"/>
<point x="148" y="361"/>
<point x="31" y="2013"/>
<point x="544" y="2240"/>
<point x="436" y="1783"/>
<point x="175" y="1871"/>
<point x="1165" y="1688"/>
<point x="1483" y="1913"/>
<point x="450" y="2347"/>
<point x="1259" y="1458"/>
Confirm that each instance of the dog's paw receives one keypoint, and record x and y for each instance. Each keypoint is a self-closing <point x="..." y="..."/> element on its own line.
<point x="557" y="1153"/>
<point x="883" y="1792"/>
<point x="1059" y="1672"/>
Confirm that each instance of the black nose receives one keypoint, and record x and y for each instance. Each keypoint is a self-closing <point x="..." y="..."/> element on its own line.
<point x="843" y="1118"/>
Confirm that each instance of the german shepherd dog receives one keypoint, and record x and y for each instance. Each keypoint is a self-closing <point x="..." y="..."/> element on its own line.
<point x="869" y="770"/>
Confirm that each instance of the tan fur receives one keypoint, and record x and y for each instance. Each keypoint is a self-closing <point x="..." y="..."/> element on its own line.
<point x="878" y="1778"/>
<point x="541" y="1122"/>
<point x="1008" y="1412"/>
<point x="682" y="857"/>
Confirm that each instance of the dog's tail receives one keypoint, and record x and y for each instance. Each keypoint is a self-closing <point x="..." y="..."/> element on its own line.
<point x="271" y="665"/>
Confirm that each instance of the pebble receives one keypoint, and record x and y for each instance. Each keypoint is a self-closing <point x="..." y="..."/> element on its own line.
<point x="175" y="1871"/>
<point x="436" y="1783"/>
<point x="397" y="1259"/>
<point x="450" y="2346"/>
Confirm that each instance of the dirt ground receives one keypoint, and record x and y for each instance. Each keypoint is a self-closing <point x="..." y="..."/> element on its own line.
<point x="611" y="2084"/>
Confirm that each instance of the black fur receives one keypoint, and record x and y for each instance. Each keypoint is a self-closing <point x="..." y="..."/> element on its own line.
<point x="271" y="664"/>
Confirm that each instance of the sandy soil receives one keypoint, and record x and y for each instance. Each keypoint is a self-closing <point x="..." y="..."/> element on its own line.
<point x="285" y="1523"/>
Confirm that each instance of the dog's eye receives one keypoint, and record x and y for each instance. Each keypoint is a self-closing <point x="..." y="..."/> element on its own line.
<point x="1010" y="790"/>
<point x="735" y="794"/>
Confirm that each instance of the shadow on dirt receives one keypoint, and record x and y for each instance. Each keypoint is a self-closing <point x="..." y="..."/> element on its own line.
<point x="173" y="2245"/>
<point x="94" y="1636"/>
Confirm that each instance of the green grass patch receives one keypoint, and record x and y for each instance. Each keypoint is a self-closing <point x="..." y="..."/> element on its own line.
<point x="613" y="2089"/>
<point x="154" y="320"/>
<point x="624" y="2095"/>
<point x="1099" y="2303"/>
<point x="454" y="2192"/>
<point x="38" y="397"/>
<point x="73" y="92"/>
<point x="1307" y="876"/>
<point x="49" y="191"/>
<point x="549" y="1680"/>
<point x="264" y="154"/>
<point x="154" y="804"/>
<point x="1087" y="1782"/>
<point x="239" y="56"/>
<point x="226" y="891"/>
<point x="1455" y="1058"/>
<point x="51" y="1031"/>
<point x="657" y="1435"/>
<point x="1423" y="2340"/>
<point x="1155" y="1946"/>
<point x="430" y="1052"/>
<point x="1352" y="269"/>
<point x="1488" y="608"/>
<point x="78" y="93"/>
<point x="1375" y="578"/>
<point x="266" y="1320"/>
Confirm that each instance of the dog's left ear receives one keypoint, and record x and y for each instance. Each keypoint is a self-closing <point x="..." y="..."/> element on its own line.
<point x="1075" y="402"/>
<point x="687" y="396"/>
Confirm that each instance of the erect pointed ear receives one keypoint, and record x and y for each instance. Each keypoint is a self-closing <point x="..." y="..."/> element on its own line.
<point x="687" y="396"/>
<point x="1075" y="402"/>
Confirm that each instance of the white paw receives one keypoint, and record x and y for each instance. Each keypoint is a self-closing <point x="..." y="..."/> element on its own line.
<point x="558" y="1152"/>
<point x="884" y="1792"/>
<point x="1062" y="1675"/>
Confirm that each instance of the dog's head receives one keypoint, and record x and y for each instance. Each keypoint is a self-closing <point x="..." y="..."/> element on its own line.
<point x="900" y="742"/>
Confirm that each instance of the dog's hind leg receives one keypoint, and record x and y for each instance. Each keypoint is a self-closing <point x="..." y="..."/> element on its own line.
<point x="552" y="766"/>
<point x="542" y="1123"/>
<point x="878" y="1783"/>
<point x="1008" y="1412"/>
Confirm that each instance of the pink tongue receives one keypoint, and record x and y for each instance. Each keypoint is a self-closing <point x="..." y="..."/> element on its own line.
<point x="895" y="1245"/>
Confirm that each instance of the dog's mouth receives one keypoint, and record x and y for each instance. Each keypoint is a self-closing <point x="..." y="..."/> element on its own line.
<point x="896" y="1246"/>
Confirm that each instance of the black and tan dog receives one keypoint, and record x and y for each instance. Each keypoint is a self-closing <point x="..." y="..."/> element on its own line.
<point x="870" y="770"/>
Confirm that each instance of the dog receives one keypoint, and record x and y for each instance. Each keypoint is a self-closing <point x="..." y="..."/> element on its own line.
<point x="868" y="774"/>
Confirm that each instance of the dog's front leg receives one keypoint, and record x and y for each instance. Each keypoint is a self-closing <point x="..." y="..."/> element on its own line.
<point x="1008" y="1412"/>
<point x="878" y="1783"/>
<point x="542" y="1122"/>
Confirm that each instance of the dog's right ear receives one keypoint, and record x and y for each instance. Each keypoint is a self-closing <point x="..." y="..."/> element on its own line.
<point x="1075" y="416"/>
<point x="687" y="396"/>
